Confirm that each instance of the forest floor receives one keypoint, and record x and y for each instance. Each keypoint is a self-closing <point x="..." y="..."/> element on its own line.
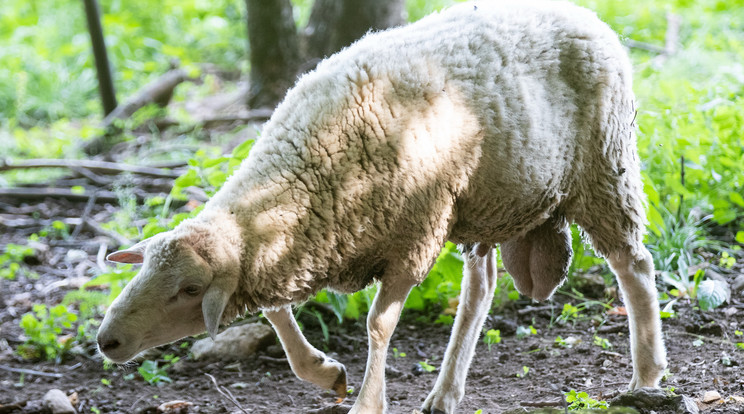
<point x="520" y="371"/>
<point x="529" y="370"/>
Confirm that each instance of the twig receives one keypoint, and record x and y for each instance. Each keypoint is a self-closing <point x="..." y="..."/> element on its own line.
<point x="227" y="394"/>
<point x="530" y="309"/>
<point x="30" y="372"/>
<point x="110" y="234"/>
<point x="101" y="257"/>
<point x="158" y="91"/>
<point x="30" y="193"/>
<point x="102" y="167"/>
<point x="252" y="116"/>
<point x="605" y="329"/>
<point x="645" y="46"/>
<point x="86" y="213"/>
<point x="272" y="360"/>
<point x="541" y="403"/>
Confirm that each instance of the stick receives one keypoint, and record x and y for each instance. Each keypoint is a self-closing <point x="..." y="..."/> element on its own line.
<point x="541" y="403"/>
<point x="227" y="394"/>
<point x="252" y="116"/>
<point x="102" y="167"/>
<point x="123" y="241"/>
<point x="26" y="193"/>
<point x="158" y="91"/>
<point x="30" y="372"/>
<point x="86" y="213"/>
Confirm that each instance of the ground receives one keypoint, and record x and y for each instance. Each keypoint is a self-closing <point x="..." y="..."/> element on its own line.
<point x="524" y="371"/>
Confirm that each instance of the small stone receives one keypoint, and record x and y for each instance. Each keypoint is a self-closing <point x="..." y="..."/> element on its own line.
<point x="57" y="402"/>
<point x="711" y="396"/>
<point x="738" y="283"/>
<point x="687" y="405"/>
<point x="235" y="343"/>
<point x="275" y="351"/>
<point x="175" y="407"/>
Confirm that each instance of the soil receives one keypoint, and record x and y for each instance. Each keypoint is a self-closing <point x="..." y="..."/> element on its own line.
<point x="526" y="371"/>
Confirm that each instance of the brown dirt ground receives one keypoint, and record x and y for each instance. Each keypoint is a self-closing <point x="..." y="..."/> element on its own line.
<point x="265" y="384"/>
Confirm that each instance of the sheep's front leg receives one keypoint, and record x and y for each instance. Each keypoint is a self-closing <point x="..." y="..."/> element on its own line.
<point x="478" y="285"/>
<point x="381" y="321"/>
<point x="307" y="362"/>
<point x="635" y="276"/>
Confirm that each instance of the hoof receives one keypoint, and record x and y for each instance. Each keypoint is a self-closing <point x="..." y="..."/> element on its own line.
<point x="340" y="385"/>
<point x="434" y="411"/>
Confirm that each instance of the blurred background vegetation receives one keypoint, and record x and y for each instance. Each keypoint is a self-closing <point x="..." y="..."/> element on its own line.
<point x="689" y="81"/>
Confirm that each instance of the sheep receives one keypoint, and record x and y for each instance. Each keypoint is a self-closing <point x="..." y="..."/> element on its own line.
<point x="488" y="123"/>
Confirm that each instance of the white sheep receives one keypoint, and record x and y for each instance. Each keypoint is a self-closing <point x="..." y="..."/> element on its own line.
<point x="495" y="122"/>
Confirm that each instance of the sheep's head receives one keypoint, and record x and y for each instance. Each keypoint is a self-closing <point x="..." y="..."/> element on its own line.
<point x="181" y="290"/>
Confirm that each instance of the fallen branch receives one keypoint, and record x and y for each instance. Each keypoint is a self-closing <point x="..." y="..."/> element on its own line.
<point x="227" y="394"/>
<point x="159" y="91"/>
<point x="541" y="403"/>
<point x="101" y="167"/>
<point x="123" y="241"/>
<point x="30" y="372"/>
<point x="252" y="116"/>
<point x="32" y="193"/>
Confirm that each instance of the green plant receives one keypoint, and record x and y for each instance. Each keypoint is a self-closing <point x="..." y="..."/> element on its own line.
<point x="581" y="400"/>
<point x="153" y="372"/>
<point x="602" y="342"/>
<point x="525" y="371"/>
<point x="568" y="313"/>
<point x="493" y="336"/>
<point x="397" y="354"/>
<point x="426" y="366"/>
<point x="43" y="329"/>
<point x="523" y="331"/>
<point x="12" y="258"/>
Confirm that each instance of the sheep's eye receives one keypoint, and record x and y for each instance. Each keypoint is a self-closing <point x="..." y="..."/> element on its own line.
<point x="192" y="290"/>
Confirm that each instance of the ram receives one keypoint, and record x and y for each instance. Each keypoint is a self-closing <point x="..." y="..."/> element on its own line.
<point x="489" y="123"/>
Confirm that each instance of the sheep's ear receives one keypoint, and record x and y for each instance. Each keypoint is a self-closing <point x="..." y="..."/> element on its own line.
<point x="134" y="254"/>
<point x="213" y="304"/>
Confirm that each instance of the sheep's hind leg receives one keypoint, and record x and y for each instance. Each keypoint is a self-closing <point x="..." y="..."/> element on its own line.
<point x="307" y="362"/>
<point x="478" y="285"/>
<point x="635" y="275"/>
<point x="381" y="321"/>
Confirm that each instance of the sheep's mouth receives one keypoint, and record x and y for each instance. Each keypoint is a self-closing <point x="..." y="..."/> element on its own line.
<point x="120" y="354"/>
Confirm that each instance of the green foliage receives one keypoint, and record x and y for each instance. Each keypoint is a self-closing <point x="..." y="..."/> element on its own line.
<point x="154" y="373"/>
<point x="525" y="371"/>
<point x="442" y="284"/>
<point x="524" y="331"/>
<point x="602" y="342"/>
<point x="493" y="336"/>
<point x="43" y="329"/>
<point x="46" y="66"/>
<point x="12" y="259"/>
<point x="568" y="313"/>
<point x="581" y="400"/>
<point x="426" y="366"/>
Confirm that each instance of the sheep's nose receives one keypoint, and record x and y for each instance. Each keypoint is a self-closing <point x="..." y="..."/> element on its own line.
<point x="108" y="345"/>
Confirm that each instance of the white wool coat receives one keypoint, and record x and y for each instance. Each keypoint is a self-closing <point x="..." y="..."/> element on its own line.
<point x="475" y="125"/>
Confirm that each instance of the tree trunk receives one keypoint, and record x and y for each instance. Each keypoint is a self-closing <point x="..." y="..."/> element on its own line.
<point x="274" y="51"/>
<point x="103" y="69"/>
<point x="335" y="24"/>
<point x="276" y="58"/>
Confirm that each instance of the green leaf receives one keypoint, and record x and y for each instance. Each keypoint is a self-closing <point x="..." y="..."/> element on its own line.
<point x="712" y="293"/>
<point x="740" y="237"/>
<point x="736" y="198"/>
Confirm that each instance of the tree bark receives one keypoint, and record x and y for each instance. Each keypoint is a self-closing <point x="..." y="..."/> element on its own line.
<point x="335" y="24"/>
<point x="103" y="68"/>
<point x="274" y="51"/>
